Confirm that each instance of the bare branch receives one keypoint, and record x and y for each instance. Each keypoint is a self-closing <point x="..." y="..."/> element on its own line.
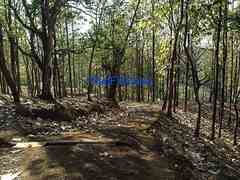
<point x="21" y="21"/>
<point x="81" y="10"/>
<point x="32" y="24"/>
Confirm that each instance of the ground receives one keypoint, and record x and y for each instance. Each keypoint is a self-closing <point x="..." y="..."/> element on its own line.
<point x="135" y="141"/>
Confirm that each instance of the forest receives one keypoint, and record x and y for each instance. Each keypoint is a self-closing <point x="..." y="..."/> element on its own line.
<point x="120" y="89"/>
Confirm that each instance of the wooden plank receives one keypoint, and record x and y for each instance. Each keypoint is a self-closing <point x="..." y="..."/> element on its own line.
<point x="62" y="143"/>
<point x="82" y="141"/>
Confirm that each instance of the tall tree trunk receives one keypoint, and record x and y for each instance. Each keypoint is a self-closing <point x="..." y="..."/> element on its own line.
<point x="166" y="91"/>
<point x="196" y="82"/>
<point x="18" y="75"/>
<point x="73" y="59"/>
<point x="69" y="58"/>
<point x="115" y="72"/>
<point x="138" y="73"/>
<point x="236" y="96"/>
<point x="29" y="78"/>
<point x="218" y="33"/>
<point x="153" y="54"/>
<point x="186" y="88"/>
<point x="47" y="70"/>
<point x="90" y="85"/>
<point x="173" y="60"/>
<point x="231" y="81"/>
<point x="47" y="35"/>
<point x="236" y="123"/>
<point x="15" y="69"/>
<point x="46" y="83"/>
<point x="142" y="69"/>
<point x="6" y="73"/>
<point x="225" y="56"/>
<point x="119" y="53"/>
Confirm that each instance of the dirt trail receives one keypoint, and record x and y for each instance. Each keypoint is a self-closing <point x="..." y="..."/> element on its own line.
<point x="136" y="141"/>
<point x="131" y="157"/>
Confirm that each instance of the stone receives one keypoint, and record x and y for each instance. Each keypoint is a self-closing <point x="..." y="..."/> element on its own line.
<point x="17" y="140"/>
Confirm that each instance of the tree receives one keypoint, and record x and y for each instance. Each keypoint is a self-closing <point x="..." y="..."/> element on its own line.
<point x="118" y="52"/>
<point x="218" y="33"/>
<point x="153" y="53"/>
<point x="99" y="14"/>
<point x="6" y="73"/>
<point x="178" y="27"/>
<point x="48" y="15"/>
<point x="225" y="57"/>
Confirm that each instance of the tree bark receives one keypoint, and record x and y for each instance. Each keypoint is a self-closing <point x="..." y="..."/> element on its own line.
<point x="173" y="60"/>
<point x="216" y="73"/>
<point x="6" y="73"/>
<point x="225" y="56"/>
<point x="153" y="54"/>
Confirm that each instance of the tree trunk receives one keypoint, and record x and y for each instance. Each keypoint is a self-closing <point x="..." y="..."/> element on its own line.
<point x="225" y="56"/>
<point x="236" y="123"/>
<point x="90" y="85"/>
<point x="173" y="60"/>
<point x="6" y="73"/>
<point x="69" y="58"/>
<point x="153" y="54"/>
<point x="231" y="81"/>
<point x="113" y="86"/>
<point x="186" y="88"/>
<point x="216" y="73"/>
<point x="46" y="83"/>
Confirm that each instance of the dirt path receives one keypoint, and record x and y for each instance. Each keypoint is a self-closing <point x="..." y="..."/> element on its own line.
<point x="132" y="157"/>
<point x="133" y="142"/>
<point x="94" y="162"/>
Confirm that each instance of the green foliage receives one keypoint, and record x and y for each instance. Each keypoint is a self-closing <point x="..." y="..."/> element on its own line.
<point x="34" y="7"/>
<point x="234" y="21"/>
<point x="162" y="56"/>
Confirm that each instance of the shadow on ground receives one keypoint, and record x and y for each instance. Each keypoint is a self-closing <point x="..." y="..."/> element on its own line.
<point x="96" y="162"/>
<point x="120" y="161"/>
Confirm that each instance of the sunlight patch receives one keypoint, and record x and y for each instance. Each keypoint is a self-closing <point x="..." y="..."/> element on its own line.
<point x="9" y="176"/>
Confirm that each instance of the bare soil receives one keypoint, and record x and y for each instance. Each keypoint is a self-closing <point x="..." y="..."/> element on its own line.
<point x="135" y="141"/>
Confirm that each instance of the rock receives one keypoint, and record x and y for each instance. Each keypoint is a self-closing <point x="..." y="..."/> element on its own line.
<point x="31" y="136"/>
<point x="38" y="124"/>
<point x="196" y="156"/>
<point x="105" y="154"/>
<point x="39" y="119"/>
<point x="91" y="168"/>
<point x="214" y="172"/>
<point x="63" y="128"/>
<point x="17" y="140"/>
